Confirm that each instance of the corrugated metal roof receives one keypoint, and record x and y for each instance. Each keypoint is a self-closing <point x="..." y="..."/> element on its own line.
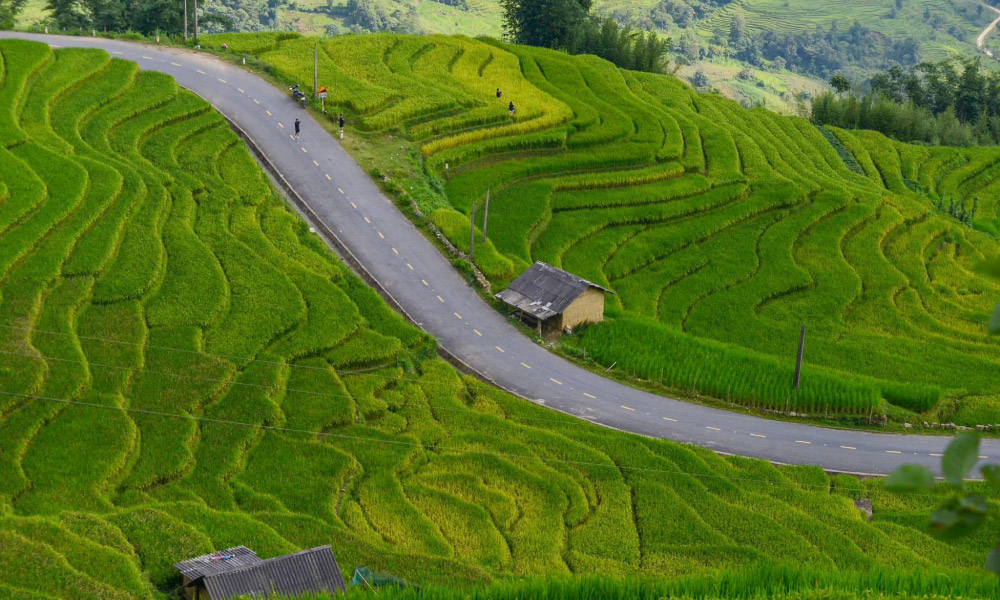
<point x="218" y="562"/>
<point x="544" y="291"/>
<point x="309" y="571"/>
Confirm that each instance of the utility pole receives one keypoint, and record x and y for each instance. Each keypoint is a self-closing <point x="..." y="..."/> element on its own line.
<point x="472" y="233"/>
<point x="185" y="20"/>
<point x="486" y="213"/>
<point x="195" y="22"/>
<point x="315" y="70"/>
<point x="798" y="361"/>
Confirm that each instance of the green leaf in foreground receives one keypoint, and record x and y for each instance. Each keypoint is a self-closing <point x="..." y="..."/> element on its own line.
<point x="992" y="475"/>
<point x="910" y="478"/>
<point x="960" y="458"/>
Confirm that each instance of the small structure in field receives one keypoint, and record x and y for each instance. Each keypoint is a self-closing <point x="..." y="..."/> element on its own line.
<point x="553" y="299"/>
<point x="239" y="572"/>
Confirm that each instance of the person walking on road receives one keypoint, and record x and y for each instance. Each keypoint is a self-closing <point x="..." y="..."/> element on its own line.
<point x="341" y="121"/>
<point x="296" y="129"/>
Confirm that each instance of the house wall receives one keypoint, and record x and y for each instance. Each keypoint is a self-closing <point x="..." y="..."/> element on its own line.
<point x="587" y="308"/>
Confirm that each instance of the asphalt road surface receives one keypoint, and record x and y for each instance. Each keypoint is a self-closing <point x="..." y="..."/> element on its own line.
<point x="343" y="200"/>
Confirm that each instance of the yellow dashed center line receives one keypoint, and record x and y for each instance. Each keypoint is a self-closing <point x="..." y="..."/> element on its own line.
<point x="256" y="101"/>
<point x="627" y="407"/>
<point x="291" y="137"/>
<point x="328" y="178"/>
<point x="525" y="365"/>
<point x="268" y="113"/>
<point x="115" y="52"/>
<point x="669" y="419"/>
<point x="590" y="396"/>
<point x="367" y="220"/>
<point x="221" y="80"/>
<point x="424" y="281"/>
<point x="340" y="190"/>
<point x="315" y="164"/>
<point x="280" y="124"/>
<point x="555" y="381"/>
<point x="893" y="452"/>
<point x="499" y="348"/>
<point x="409" y="266"/>
<point x="175" y="64"/>
<point x="937" y="454"/>
<point x="240" y="90"/>
<point x="304" y="150"/>
<point x="757" y="435"/>
<point x="802" y="442"/>
<point x="395" y="251"/>
<point x="457" y="316"/>
<point x="477" y="332"/>
<point x="713" y="428"/>
<point x="147" y="57"/>
<point x="848" y="447"/>
<point x="380" y="235"/>
<point x="440" y="298"/>
<point x="354" y="205"/>
<point x="984" y="458"/>
<point x="200" y="71"/>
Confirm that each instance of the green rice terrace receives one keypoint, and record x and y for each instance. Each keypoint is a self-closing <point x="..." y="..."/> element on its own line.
<point x="722" y="230"/>
<point x="185" y="367"/>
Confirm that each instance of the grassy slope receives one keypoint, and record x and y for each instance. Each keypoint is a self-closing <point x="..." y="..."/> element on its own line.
<point x="151" y="275"/>
<point x="721" y="222"/>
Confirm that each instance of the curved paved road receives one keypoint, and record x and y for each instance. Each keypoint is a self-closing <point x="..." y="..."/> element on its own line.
<point x="342" y="199"/>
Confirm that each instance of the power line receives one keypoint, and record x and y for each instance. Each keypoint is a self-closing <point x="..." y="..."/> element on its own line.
<point x="567" y="421"/>
<point x="427" y="447"/>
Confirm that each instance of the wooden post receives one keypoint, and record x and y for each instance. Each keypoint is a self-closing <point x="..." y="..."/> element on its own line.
<point x="798" y="361"/>
<point x="472" y="233"/>
<point x="486" y="213"/>
<point x="315" y="70"/>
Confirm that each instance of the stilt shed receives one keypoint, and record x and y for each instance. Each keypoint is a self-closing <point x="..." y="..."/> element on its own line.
<point x="553" y="299"/>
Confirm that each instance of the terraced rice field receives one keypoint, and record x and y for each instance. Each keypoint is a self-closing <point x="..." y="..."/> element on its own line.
<point x="185" y="367"/>
<point x="955" y="31"/>
<point x="712" y="223"/>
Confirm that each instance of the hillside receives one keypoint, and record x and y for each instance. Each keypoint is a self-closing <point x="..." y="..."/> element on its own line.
<point x="710" y="221"/>
<point x="185" y="367"/>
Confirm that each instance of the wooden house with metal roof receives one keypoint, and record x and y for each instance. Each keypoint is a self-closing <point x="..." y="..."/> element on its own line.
<point x="239" y="572"/>
<point x="554" y="299"/>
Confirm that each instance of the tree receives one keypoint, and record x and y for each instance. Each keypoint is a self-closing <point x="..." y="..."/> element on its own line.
<point x="840" y="84"/>
<point x="964" y="510"/>
<point x="737" y="29"/>
<point x="9" y="9"/>
<point x="548" y="23"/>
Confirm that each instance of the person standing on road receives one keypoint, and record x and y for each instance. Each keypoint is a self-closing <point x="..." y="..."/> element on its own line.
<point x="296" y="128"/>
<point x="341" y="121"/>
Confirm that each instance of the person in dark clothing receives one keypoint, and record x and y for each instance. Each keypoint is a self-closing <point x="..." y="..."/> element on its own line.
<point x="499" y="93"/>
<point x="510" y="107"/>
<point x="341" y="121"/>
<point x="296" y="128"/>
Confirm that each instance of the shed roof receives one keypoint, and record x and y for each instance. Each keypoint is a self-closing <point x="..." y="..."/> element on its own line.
<point x="306" y="572"/>
<point x="544" y="291"/>
<point x="218" y="562"/>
